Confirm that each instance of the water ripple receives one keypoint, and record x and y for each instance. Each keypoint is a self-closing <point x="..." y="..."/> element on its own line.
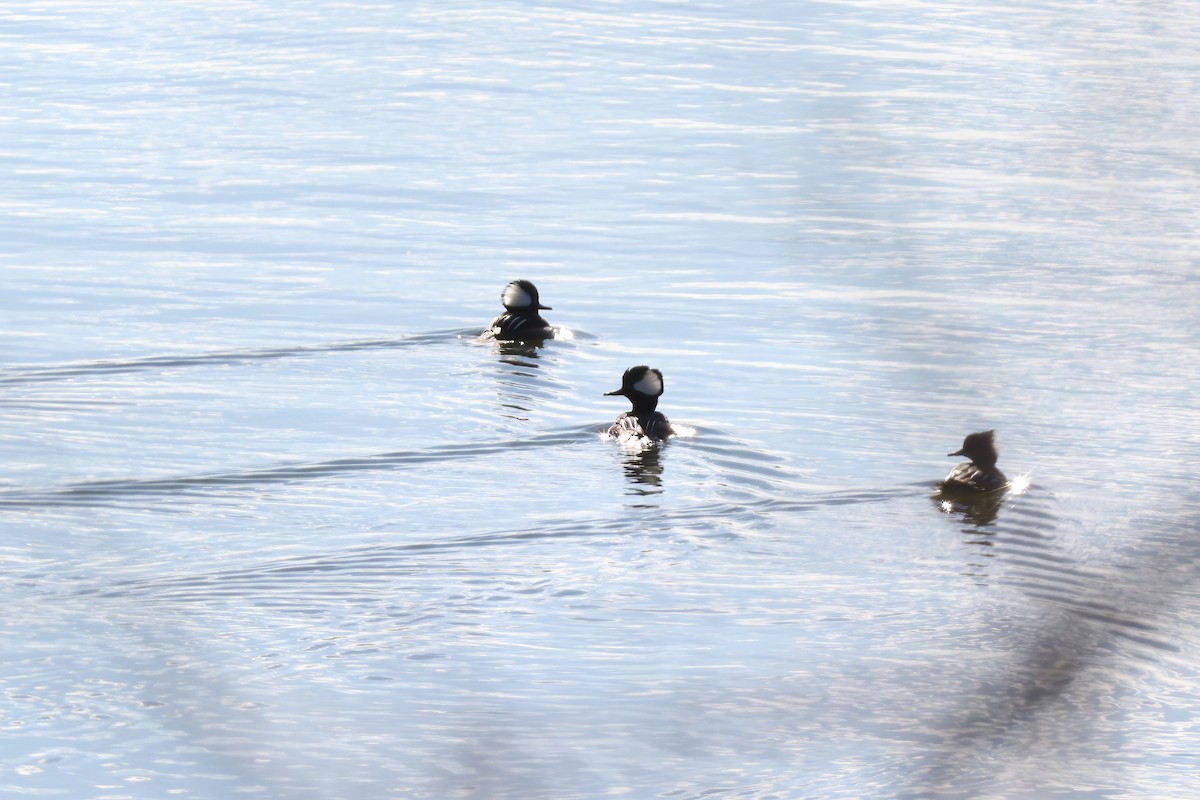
<point x="108" y="491"/>
<point x="314" y="579"/>
<point x="1025" y="532"/>
<point x="16" y="376"/>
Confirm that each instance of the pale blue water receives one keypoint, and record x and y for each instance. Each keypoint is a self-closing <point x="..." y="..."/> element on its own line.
<point x="275" y="525"/>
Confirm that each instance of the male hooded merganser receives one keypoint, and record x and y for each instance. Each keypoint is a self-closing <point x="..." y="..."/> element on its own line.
<point x="980" y="475"/>
<point x="643" y="386"/>
<point x="521" y="319"/>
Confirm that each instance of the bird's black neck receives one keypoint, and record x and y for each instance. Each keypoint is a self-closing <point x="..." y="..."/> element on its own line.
<point x="985" y="460"/>
<point x="643" y="406"/>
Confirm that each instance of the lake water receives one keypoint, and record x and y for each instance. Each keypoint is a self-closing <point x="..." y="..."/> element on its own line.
<point x="275" y="525"/>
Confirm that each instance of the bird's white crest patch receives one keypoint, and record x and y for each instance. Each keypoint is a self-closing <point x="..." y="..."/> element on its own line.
<point x="649" y="384"/>
<point x="516" y="297"/>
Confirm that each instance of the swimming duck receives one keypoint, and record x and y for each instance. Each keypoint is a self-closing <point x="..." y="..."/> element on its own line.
<point x="643" y="386"/>
<point x="980" y="473"/>
<point x="520" y="320"/>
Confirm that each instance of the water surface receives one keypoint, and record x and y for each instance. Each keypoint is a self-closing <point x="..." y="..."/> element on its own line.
<point x="277" y="525"/>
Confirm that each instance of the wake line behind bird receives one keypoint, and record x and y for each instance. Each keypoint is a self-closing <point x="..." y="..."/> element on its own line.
<point x="41" y="373"/>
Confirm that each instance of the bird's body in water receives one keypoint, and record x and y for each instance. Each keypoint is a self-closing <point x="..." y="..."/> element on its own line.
<point x="979" y="475"/>
<point x="643" y="386"/>
<point x="520" y="320"/>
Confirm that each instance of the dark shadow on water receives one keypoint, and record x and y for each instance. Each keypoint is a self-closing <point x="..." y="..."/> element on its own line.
<point x="1048" y="700"/>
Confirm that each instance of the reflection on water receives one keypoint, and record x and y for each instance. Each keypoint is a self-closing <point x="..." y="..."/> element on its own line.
<point x="527" y="374"/>
<point x="644" y="468"/>
<point x="979" y="509"/>
<point x="517" y="381"/>
<point x="520" y="354"/>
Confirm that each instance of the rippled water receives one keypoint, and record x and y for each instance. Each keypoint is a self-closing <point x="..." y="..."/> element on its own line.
<point x="277" y="525"/>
